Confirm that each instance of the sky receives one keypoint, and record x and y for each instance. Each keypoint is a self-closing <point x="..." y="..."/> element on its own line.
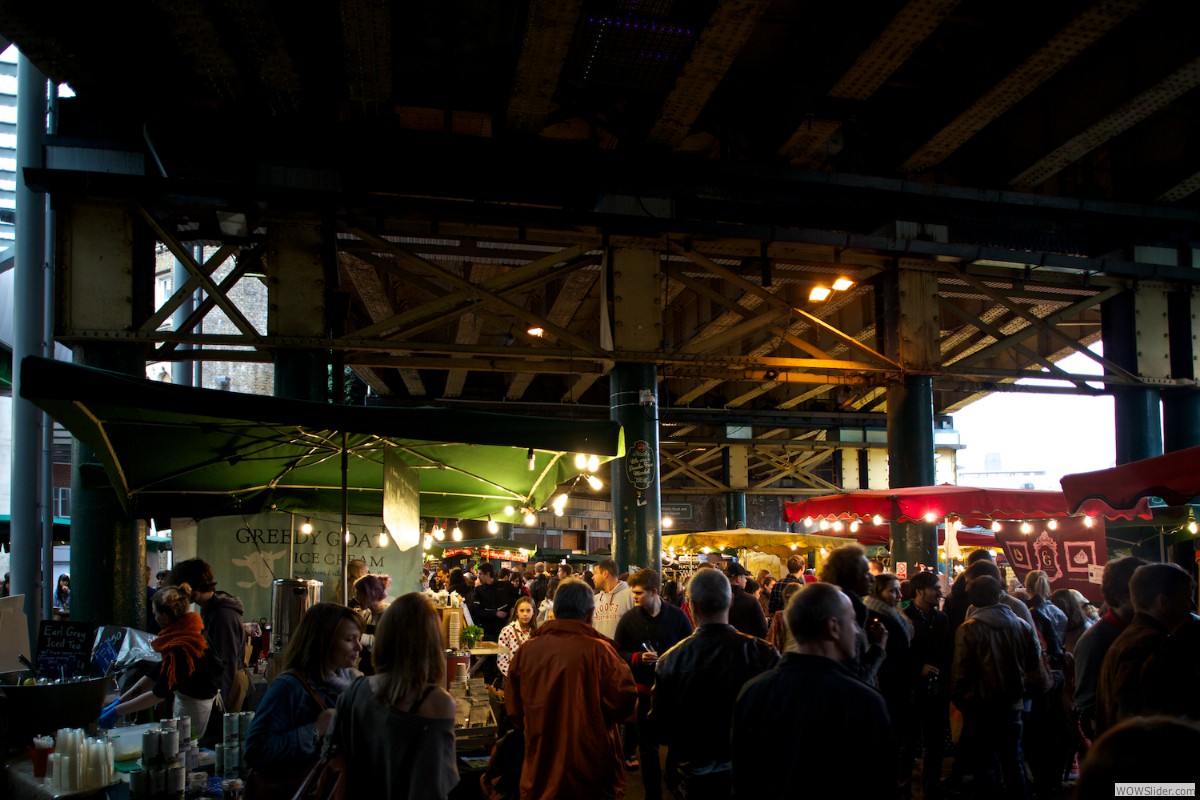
<point x="1057" y="434"/>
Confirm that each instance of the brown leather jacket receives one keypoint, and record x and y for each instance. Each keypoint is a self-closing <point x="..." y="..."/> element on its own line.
<point x="997" y="659"/>
<point x="569" y="690"/>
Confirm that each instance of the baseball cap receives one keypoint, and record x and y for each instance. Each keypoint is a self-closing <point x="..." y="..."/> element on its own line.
<point x="734" y="570"/>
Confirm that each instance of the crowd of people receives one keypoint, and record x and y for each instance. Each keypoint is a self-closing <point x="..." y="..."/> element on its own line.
<point x="737" y="687"/>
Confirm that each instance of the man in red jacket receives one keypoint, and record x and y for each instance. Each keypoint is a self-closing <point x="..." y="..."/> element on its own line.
<point x="567" y="665"/>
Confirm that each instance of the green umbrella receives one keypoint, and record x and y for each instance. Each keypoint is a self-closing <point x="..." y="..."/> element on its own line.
<point x="177" y="451"/>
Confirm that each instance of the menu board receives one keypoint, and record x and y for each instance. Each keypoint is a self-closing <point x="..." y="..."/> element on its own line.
<point x="64" y="648"/>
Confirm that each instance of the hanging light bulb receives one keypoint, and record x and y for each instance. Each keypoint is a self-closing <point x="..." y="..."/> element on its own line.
<point x="491" y="525"/>
<point x="593" y="463"/>
<point x="996" y="526"/>
<point x="930" y="516"/>
<point x="854" y="526"/>
<point x="509" y="511"/>
<point x="530" y="519"/>
<point x="456" y="534"/>
<point x="1052" y="524"/>
<point x="876" y="520"/>
<point x="595" y="483"/>
<point x="667" y="522"/>
<point x="580" y="461"/>
<point x="439" y="533"/>
<point x="1088" y="522"/>
<point x="808" y="521"/>
<point x="532" y="460"/>
<point x="823" y="524"/>
<point x="428" y="541"/>
<point x="1026" y="527"/>
<point x="383" y="538"/>
<point x="1193" y="527"/>
<point x="307" y="526"/>
<point x="837" y="526"/>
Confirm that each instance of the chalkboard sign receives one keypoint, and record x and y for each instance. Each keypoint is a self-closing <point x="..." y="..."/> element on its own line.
<point x="64" y="648"/>
<point x="108" y="647"/>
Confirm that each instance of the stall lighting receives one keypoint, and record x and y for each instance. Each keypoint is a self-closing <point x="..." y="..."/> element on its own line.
<point x="456" y="534"/>
<point x="1193" y="527"/>
<point x="837" y="526"/>
<point x="854" y="526"/>
<point x="428" y="541"/>
<point x="823" y="525"/>
<point x="930" y="516"/>
<point x="593" y="463"/>
<point x="842" y="284"/>
<point x="307" y="526"/>
<point x="877" y="520"/>
<point x="383" y="539"/>
<point x="819" y="293"/>
<point x="536" y="331"/>
<point x="509" y="511"/>
<point x="532" y="460"/>
<point x="1088" y="522"/>
<point x="580" y="461"/>
<point x="808" y="521"/>
<point x="530" y="519"/>
<point x="491" y="525"/>
<point x="1026" y="527"/>
<point x="1052" y="524"/>
<point x="438" y="533"/>
<point x="595" y="483"/>
<point x="667" y="522"/>
<point x="996" y="526"/>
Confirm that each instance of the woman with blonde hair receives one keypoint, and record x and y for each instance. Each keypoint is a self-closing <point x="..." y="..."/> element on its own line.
<point x="396" y="727"/>
<point x="190" y="668"/>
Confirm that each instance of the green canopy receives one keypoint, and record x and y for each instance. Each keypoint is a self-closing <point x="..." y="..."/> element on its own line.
<point x="178" y="451"/>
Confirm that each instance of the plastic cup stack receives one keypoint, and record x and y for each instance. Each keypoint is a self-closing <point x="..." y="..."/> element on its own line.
<point x="79" y="763"/>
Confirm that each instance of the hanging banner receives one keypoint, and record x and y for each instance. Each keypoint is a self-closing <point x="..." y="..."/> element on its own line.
<point x="1065" y="553"/>
<point x="247" y="553"/>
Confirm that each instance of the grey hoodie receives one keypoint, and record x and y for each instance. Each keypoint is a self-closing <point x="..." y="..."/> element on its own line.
<point x="223" y="625"/>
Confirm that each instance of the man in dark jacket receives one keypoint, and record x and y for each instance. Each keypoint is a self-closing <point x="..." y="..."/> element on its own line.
<point x="795" y="568"/>
<point x="491" y="602"/>
<point x="745" y="612"/>
<point x="695" y="687"/>
<point x="649" y="628"/>
<point x="1096" y="640"/>
<point x="997" y="664"/>
<point x="787" y="719"/>
<point x="1162" y="596"/>
<point x="929" y="667"/>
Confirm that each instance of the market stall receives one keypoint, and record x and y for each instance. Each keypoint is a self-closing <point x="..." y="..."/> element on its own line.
<point x="1034" y="528"/>
<point x="756" y="549"/>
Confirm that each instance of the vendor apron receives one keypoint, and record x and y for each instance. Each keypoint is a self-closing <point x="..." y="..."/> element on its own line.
<point x="198" y="710"/>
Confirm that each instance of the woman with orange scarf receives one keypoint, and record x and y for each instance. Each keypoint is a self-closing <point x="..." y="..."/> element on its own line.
<point x="189" y="668"/>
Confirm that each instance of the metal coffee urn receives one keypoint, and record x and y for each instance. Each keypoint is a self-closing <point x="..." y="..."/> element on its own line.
<point x="290" y="598"/>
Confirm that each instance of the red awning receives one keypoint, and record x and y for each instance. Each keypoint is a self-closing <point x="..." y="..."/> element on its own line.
<point x="973" y="506"/>
<point x="1174" y="477"/>
<point x="882" y="534"/>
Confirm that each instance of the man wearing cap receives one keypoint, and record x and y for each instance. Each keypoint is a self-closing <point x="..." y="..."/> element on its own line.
<point x="745" y="612"/>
